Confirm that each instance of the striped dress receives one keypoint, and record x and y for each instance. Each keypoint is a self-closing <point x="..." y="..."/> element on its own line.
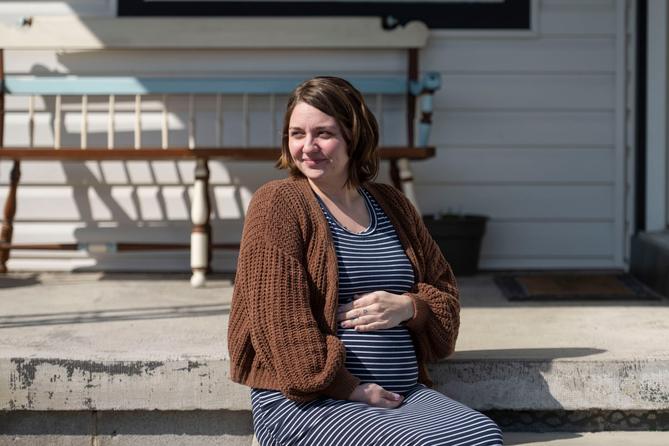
<point x="369" y="261"/>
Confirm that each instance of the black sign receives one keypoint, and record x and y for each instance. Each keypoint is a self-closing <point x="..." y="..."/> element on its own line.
<point x="482" y="14"/>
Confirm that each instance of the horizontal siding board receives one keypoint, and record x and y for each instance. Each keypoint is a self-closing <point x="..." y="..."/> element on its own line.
<point x="120" y="203"/>
<point x="517" y="165"/>
<point x="137" y="173"/>
<point x="526" y="91"/>
<point x="582" y="17"/>
<point x="518" y="203"/>
<point x="132" y="232"/>
<point x="544" y="55"/>
<point x="499" y="128"/>
<point x="548" y="239"/>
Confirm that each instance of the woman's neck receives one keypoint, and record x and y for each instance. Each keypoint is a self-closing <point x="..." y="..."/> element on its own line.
<point x="342" y="196"/>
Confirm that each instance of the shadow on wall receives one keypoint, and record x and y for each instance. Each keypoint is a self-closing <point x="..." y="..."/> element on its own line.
<point x="142" y="201"/>
<point x="509" y="379"/>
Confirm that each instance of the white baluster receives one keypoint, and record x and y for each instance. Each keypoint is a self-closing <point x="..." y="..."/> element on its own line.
<point x="199" y="242"/>
<point x="191" y="121"/>
<point x="406" y="179"/>
<point x="31" y="120"/>
<point x="84" y="121"/>
<point x="164" y="130"/>
<point x="138" y="122"/>
<point x="111" y="122"/>
<point x="57" y="123"/>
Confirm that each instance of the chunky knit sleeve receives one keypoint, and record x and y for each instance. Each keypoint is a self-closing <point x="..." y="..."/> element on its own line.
<point x="436" y="319"/>
<point x="272" y="278"/>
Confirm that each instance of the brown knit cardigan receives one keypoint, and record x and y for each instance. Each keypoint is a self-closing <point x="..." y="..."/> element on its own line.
<point x="282" y="333"/>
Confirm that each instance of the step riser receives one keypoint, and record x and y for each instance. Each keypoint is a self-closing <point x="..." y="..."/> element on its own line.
<point x="200" y="427"/>
<point x="53" y="384"/>
<point x="581" y="420"/>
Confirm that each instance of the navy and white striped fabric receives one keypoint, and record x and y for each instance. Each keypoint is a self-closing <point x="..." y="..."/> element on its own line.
<point x="374" y="260"/>
<point x="425" y="418"/>
<point x="369" y="261"/>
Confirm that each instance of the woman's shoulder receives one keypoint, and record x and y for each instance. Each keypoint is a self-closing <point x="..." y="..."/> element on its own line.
<point x="276" y="194"/>
<point x="389" y="194"/>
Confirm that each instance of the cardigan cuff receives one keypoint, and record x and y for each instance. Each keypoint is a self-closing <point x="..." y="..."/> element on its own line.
<point x="421" y="312"/>
<point x="342" y="386"/>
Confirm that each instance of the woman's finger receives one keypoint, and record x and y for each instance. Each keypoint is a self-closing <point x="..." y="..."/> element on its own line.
<point x="372" y="326"/>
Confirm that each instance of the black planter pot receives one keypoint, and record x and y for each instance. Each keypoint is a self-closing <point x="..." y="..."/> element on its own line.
<point x="459" y="237"/>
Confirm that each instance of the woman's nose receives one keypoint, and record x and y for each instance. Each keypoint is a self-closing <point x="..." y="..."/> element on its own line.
<point x="309" y="144"/>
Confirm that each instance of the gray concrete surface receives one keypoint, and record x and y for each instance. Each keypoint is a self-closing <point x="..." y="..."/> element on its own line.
<point x="588" y="439"/>
<point x="143" y="342"/>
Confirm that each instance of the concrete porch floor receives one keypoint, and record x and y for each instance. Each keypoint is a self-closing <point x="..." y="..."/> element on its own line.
<point x="124" y="342"/>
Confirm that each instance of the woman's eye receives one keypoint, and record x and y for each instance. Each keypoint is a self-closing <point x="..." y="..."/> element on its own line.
<point x="324" y="133"/>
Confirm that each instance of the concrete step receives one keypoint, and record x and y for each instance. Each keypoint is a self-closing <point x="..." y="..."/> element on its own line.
<point x="110" y="342"/>
<point x="105" y="344"/>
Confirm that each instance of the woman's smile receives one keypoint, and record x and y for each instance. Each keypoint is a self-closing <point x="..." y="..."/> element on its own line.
<point x="315" y="162"/>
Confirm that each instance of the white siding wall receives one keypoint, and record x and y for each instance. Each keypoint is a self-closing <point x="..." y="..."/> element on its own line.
<point x="527" y="129"/>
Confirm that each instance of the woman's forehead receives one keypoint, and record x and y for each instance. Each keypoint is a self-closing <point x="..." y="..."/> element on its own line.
<point x="305" y="114"/>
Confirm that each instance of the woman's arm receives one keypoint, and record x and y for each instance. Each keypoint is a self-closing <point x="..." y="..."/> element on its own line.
<point x="436" y="316"/>
<point x="272" y="277"/>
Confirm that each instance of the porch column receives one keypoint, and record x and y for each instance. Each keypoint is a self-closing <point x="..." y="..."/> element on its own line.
<point x="657" y="161"/>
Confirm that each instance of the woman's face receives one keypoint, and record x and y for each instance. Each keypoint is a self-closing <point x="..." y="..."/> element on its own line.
<point x="317" y="146"/>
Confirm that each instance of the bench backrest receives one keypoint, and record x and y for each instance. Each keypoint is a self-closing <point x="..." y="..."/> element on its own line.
<point x="71" y="33"/>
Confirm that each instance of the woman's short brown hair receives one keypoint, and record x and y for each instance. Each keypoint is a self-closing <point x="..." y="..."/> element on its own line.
<point x="341" y="100"/>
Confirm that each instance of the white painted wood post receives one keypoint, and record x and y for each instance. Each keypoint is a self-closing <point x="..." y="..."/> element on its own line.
<point x="57" y="122"/>
<point x="138" y="121"/>
<point x="111" y="122"/>
<point x="164" y="130"/>
<point x="31" y="120"/>
<point x="84" y="121"/>
<point x="199" y="241"/>
<point x="191" y="121"/>
<point x="406" y="179"/>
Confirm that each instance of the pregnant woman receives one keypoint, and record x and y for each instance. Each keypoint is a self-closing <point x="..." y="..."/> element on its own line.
<point x="341" y="296"/>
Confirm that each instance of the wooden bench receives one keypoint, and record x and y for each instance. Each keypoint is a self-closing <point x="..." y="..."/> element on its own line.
<point x="69" y="34"/>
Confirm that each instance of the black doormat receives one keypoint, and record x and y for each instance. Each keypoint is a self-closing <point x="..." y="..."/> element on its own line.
<point x="573" y="286"/>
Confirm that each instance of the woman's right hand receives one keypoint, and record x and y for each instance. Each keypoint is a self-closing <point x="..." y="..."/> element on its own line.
<point x="375" y="395"/>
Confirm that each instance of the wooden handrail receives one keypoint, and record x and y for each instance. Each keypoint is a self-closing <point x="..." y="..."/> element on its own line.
<point x="230" y="153"/>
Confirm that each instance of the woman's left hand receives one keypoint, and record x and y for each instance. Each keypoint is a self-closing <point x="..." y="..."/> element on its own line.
<point x="377" y="310"/>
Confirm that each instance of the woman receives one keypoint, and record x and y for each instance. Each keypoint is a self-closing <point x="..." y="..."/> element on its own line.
<point x="341" y="296"/>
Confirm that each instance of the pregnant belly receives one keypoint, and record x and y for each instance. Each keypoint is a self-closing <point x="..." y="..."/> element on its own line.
<point x="385" y="357"/>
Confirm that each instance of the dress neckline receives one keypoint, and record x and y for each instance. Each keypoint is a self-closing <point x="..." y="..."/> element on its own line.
<point x="370" y="212"/>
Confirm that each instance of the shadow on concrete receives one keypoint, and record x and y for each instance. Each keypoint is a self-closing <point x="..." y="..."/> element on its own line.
<point x="177" y="277"/>
<point x="16" y="282"/>
<point x="525" y="353"/>
<point x="494" y="380"/>
<point x="113" y="315"/>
